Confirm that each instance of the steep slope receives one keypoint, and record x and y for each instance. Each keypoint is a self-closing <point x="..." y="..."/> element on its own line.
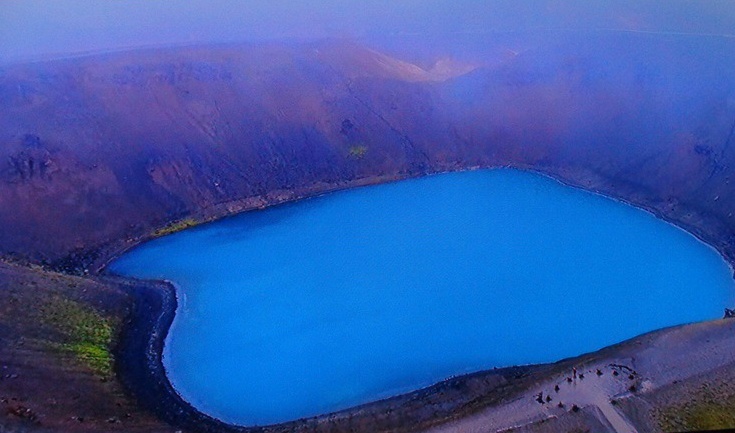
<point x="58" y="334"/>
<point x="152" y="136"/>
<point x="647" y="119"/>
<point x="99" y="152"/>
<point x="100" y="149"/>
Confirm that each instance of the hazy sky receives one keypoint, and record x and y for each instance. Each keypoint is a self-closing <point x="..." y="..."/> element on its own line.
<point x="30" y="28"/>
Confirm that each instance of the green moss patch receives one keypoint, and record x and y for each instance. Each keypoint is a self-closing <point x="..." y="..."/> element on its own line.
<point x="705" y="412"/>
<point x="175" y="227"/>
<point x="83" y="331"/>
<point x="358" y="151"/>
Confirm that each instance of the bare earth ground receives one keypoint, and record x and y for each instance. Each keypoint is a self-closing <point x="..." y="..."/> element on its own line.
<point x="651" y="383"/>
<point x="670" y="380"/>
<point x="101" y="152"/>
<point x="46" y="383"/>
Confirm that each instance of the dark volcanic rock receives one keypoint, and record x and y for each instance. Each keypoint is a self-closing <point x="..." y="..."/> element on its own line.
<point x="98" y="152"/>
<point x="105" y="148"/>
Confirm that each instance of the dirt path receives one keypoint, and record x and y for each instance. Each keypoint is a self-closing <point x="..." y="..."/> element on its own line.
<point x="595" y="386"/>
<point x="596" y="391"/>
<point x="637" y="368"/>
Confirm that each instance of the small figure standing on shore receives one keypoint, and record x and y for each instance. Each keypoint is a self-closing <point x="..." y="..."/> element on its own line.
<point x="540" y="397"/>
<point x="574" y="373"/>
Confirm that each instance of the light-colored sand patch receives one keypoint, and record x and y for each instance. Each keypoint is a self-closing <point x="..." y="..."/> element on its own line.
<point x="559" y="396"/>
<point x="636" y="368"/>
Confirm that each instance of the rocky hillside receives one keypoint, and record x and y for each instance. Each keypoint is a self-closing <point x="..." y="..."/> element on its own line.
<point x="102" y="149"/>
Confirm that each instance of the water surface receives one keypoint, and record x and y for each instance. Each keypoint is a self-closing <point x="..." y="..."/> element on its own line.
<point x="323" y="304"/>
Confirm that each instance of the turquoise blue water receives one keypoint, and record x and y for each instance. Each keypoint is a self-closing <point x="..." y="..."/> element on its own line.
<point x="327" y="303"/>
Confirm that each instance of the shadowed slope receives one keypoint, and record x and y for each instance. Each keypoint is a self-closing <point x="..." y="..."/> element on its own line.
<point x="99" y="152"/>
<point x="99" y="149"/>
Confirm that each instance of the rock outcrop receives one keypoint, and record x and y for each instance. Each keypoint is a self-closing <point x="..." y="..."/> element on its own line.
<point x="110" y="147"/>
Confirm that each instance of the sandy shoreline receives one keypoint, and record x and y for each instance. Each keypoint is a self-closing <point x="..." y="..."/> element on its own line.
<point x="617" y="380"/>
<point x="140" y="350"/>
<point x="141" y="369"/>
<point x="588" y="182"/>
<point x="493" y="400"/>
<point x="107" y="150"/>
